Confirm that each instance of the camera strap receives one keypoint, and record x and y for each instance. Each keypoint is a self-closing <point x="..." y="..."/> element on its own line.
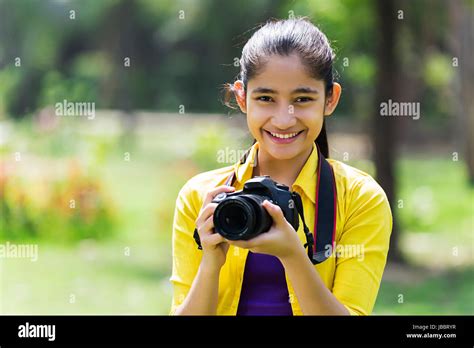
<point x="324" y="215"/>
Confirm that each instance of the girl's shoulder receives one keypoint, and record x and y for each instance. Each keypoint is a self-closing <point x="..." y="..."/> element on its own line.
<point x="353" y="181"/>
<point x="362" y="202"/>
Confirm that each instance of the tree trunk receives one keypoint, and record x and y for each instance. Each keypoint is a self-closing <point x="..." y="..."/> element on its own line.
<point x="119" y="41"/>
<point x="467" y="83"/>
<point x="384" y="127"/>
<point x="462" y="37"/>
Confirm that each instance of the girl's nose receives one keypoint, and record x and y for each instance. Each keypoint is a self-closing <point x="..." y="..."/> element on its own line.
<point x="284" y="118"/>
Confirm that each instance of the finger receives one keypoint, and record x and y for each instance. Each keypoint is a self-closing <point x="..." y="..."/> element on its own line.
<point x="215" y="239"/>
<point x="275" y="212"/>
<point x="207" y="235"/>
<point x="205" y="213"/>
<point x="208" y="206"/>
<point x="207" y="228"/>
<point x="214" y="192"/>
<point x="261" y="239"/>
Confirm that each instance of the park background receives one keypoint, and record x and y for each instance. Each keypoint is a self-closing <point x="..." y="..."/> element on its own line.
<point x="97" y="195"/>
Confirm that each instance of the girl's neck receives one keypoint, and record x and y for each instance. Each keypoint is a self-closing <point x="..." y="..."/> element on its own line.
<point x="282" y="171"/>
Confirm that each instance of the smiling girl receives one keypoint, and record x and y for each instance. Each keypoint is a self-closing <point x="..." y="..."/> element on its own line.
<point x="286" y="90"/>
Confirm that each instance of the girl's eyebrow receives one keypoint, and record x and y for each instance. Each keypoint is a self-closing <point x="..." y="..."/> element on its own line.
<point x="264" y="90"/>
<point x="306" y="90"/>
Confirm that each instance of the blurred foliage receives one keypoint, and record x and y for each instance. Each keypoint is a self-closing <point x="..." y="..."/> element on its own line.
<point x="56" y="88"/>
<point x="216" y="147"/>
<point x="190" y="47"/>
<point x="49" y="183"/>
<point x="61" y="210"/>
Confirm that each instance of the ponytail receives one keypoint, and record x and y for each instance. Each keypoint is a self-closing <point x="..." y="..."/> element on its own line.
<point x="322" y="141"/>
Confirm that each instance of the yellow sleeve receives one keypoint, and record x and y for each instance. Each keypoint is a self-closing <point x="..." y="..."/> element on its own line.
<point x="367" y="229"/>
<point x="186" y="256"/>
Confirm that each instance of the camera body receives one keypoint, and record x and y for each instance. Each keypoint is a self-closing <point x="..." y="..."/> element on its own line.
<point x="240" y="216"/>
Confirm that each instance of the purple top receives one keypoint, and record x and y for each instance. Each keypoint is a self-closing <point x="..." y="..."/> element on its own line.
<point x="264" y="289"/>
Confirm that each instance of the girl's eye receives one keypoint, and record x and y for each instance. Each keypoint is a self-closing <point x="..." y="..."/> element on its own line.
<point x="303" y="99"/>
<point x="264" y="98"/>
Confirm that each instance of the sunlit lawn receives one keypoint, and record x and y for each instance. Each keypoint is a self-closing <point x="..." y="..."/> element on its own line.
<point x="129" y="274"/>
<point x="450" y="292"/>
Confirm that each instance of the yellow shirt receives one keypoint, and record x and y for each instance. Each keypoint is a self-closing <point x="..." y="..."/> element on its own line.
<point x="352" y="273"/>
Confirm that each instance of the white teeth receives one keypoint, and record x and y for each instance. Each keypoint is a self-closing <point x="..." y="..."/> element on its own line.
<point x="284" y="136"/>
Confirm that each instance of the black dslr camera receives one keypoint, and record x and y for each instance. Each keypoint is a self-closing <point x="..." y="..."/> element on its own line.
<point x="240" y="215"/>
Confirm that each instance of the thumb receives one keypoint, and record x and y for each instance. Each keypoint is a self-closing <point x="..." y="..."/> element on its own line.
<point x="275" y="212"/>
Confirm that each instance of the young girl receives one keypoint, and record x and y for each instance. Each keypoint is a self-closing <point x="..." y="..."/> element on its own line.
<point x="286" y="89"/>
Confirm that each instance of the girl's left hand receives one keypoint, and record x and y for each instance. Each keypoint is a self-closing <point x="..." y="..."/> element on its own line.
<point x="281" y="240"/>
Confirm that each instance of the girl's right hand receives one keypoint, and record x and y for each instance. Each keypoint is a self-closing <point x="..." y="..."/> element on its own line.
<point x="214" y="246"/>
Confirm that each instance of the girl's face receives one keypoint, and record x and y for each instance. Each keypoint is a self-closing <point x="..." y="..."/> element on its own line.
<point x="285" y="107"/>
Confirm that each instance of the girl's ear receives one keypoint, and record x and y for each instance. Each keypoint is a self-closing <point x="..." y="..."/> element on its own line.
<point x="240" y="96"/>
<point x="332" y="99"/>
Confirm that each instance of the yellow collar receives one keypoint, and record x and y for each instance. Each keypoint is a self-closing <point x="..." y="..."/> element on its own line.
<point x="306" y="179"/>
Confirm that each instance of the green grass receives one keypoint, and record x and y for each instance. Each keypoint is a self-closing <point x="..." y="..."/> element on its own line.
<point x="451" y="292"/>
<point x="99" y="278"/>
<point x="436" y="196"/>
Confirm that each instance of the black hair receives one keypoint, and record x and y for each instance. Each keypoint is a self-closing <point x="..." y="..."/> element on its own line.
<point x="285" y="37"/>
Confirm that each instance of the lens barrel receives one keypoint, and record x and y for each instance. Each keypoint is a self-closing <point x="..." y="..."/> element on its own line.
<point x="241" y="217"/>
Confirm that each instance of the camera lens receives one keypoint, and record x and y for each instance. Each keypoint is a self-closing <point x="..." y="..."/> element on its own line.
<point x="241" y="217"/>
<point x="263" y="220"/>
<point x="233" y="218"/>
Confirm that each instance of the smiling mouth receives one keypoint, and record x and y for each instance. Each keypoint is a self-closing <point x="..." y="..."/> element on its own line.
<point x="284" y="135"/>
